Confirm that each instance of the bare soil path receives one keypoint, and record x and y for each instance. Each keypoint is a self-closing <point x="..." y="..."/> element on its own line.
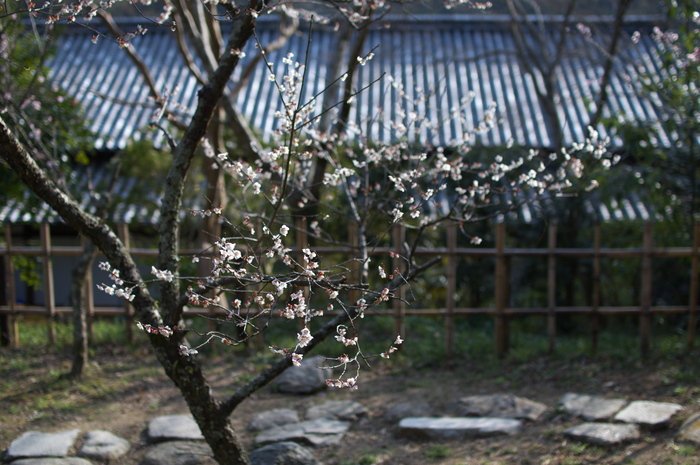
<point x="125" y="388"/>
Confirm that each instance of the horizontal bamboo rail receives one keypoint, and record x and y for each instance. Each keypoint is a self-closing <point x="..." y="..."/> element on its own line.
<point x="501" y="312"/>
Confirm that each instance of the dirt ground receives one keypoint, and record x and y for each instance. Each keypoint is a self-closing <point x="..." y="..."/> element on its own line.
<point x="125" y="388"/>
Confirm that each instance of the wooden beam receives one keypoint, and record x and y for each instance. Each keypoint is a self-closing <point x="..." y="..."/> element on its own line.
<point x="595" y="313"/>
<point x="49" y="297"/>
<point x="500" y="330"/>
<point x="398" y="234"/>
<point x="451" y="290"/>
<point x="693" y="304"/>
<point x="645" y="314"/>
<point x="10" y="269"/>
<point x="552" y="287"/>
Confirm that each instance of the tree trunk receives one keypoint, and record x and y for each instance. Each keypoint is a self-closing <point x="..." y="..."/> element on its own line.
<point x="213" y="421"/>
<point x="78" y="296"/>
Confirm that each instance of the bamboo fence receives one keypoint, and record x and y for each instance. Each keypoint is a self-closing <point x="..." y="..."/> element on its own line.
<point x="10" y="310"/>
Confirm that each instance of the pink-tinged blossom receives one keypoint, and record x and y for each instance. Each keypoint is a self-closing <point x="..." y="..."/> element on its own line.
<point x="304" y="337"/>
<point x="186" y="351"/>
<point x="694" y="57"/>
<point x="162" y="275"/>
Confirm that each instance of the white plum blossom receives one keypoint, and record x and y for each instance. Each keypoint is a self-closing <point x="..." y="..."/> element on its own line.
<point x="163" y="275"/>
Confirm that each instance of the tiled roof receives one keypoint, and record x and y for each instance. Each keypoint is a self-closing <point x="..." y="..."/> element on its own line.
<point x="450" y="59"/>
<point x="453" y="59"/>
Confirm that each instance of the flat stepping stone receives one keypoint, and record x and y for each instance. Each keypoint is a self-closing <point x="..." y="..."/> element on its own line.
<point x="501" y="406"/>
<point x="402" y="410"/>
<point x="283" y="453"/>
<point x="344" y="410"/>
<point x="52" y="461"/>
<point x="603" y="434"/>
<point x="38" y="444"/>
<point x="271" y="418"/>
<point x="305" y="379"/>
<point x="457" y="428"/>
<point x="179" y="453"/>
<point x="590" y="408"/>
<point x="316" y="433"/>
<point x="648" y="414"/>
<point x="103" y="446"/>
<point x="173" y="427"/>
<point x="690" y="430"/>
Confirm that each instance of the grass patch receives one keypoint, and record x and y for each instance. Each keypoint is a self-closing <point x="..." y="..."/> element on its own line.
<point x="437" y="451"/>
<point x="33" y="332"/>
<point x="424" y="345"/>
<point x="686" y="450"/>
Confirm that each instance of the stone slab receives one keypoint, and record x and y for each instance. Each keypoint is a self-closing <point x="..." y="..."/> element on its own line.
<point x="344" y="410"/>
<point x="601" y="409"/>
<point x="690" y="429"/>
<point x="501" y="406"/>
<point x="648" y="414"/>
<point x="305" y="379"/>
<point x="179" y="453"/>
<point x="283" y="453"/>
<point x="52" y="461"/>
<point x="419" y="408"/>
<point x="445" y="428"/>
<point x="573" y="403"/>
<point x="103" y="446"/>
<point x="271" y="418"/>
<point x="173" y="427"/>
<point x="319" y="432"/>
<point x="38" y="444"/>
<point x="590" y="408"/>
<point x="603" y="434"/>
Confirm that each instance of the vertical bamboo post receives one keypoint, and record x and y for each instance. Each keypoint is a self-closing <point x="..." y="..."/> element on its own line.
<point x="645" y="315"/>
<point x="552" y="286"/>
<point x="398" y="234"/>
<point x="595" y="314"/>
<point x="451" y="289"/>
<point x="693" y="304"/>
<point x="49" y="303"/>
<point x="89" y="295"/>
<point x="123" y="231"/>
<point x="13" y="323"/>
<point x="500" y="330"/>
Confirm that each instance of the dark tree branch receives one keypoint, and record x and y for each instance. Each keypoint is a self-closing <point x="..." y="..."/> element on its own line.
<point x="12" y="152"/>
<point x="319" y="336"/>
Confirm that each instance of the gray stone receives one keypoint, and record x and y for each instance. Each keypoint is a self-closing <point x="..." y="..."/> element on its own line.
<point x="590" y="408"/>
<point x="690" y="429"/>
<point x="648" y="414"/>
<point x="52" y="461"/>
<point x="501" y="406"/>
<point x="173" y="427"/>
<point x="573" y="404"/>
<point x="401" y="410"/>
<point x="179" y="453"/>
<point x="38" y="444"/>
<point x="345" y="410"/>
<point x="603" y="434"/>
<point x="305" y="379"/>
<point x="446" y="428"/>
<point x="320" y="432"/>
<point x="103" y="446"/>
<point x="283" y="453"/>
<point x="600" y="409"/>
<point x="271" y="418"/>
